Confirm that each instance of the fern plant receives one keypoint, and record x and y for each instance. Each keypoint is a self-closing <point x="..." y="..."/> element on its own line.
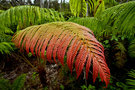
<point x="131" y="82"/>
<point x="90" y="22"/>
<point x="131" y="49"/>
<point x="65" y="38"/>
<point x="120" y="18"/>
<point x="110" y="3"/>
<point x="21" y="17"/>
<point x="1" y="11"/>
<point x="114" y="21"/>
<point x="6" y="47"/>
<point x="17" y="84"/>
<point x="79" y="7"/>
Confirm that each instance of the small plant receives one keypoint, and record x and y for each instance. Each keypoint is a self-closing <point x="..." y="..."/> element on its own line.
<point x="131" y="82"/>
<point x="90" y="87"/>
<point x="17" y="84"/>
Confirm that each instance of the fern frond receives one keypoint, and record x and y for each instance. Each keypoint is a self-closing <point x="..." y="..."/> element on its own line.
<point x="65" y="38"/>
<point x="120" y="18"/>
<point x="1" y="11"/>
<point x="6" y="47"/>
<point x="120" y="55"/>
<point x="6" y="30"/>
<point x="79" y="7"/>
<point x="131" y="49"/>
<point x="19" y="82"/>
<point x="4" y="84"/>
<point x="131" y="82"/>
<point x="90" y="22"/>
<point x="110" y="3"/>
<point x="21" y="17"/>
<point x="99" y="8"/>
<point x="5" y="38"/>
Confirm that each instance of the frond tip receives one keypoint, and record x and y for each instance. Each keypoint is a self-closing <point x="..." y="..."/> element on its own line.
<point x="58" y="39"/>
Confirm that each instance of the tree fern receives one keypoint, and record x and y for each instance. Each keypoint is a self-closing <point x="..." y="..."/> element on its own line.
<point x="65" y="38"/>
<point x="23" y="16"/>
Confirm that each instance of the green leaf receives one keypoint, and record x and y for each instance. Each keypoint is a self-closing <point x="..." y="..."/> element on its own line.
<point x="4" y="84"/>
<point x="19" y="82"/>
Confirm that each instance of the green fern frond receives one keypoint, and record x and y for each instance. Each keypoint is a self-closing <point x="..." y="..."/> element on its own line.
<point x="79" y="7"/>
<point x="118" y="20"/>
<point x="131" y="49"/>
<point x="90" y="22"/>
<point x="6" y="47"/>
<point x="5" y="38"/>
<point x="4" y="84"/>
<point x="121" y="18"/>
<point x="21" y="17"/>
<point x="99" y="8"/>
<point x="131" y="82"/>
<point x="110" y="3"/>
<point x="1" y="11"/>
<point x="6" y="30"/>
<point x="19" y="82"/>
<point x="119" y="51"/>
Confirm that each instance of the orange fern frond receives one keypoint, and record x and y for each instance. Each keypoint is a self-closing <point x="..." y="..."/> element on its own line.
<point x="65" y="38"/>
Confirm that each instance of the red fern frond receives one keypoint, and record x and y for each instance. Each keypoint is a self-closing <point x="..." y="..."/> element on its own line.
<point x="58" y="39"/>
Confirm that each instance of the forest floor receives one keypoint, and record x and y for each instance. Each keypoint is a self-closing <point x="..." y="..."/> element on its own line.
<point x="12" y="68"/>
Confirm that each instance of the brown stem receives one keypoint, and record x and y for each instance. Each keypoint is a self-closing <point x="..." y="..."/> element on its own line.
<point x="42" y="75"/>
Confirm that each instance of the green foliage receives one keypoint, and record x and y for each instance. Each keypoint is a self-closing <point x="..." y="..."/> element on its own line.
<point x="131" y="49"/>
<point x="131" y="82"/>
<point x="17" y="84"/>
<point x="90" y="22"/>
<point x="21" y="17"/>
<point x="90" y="87"/>
<point x="120" y="18"/>
<point x="34" y="75"/>
<point x="119" y="51"/>
<point x="4" y="84"/>
<point x="110" y="3"/>
<point x="6" y="47"/>
<point x="1" y="11"/>
<point x="6" y="30"/>
<point x="114" y="21"/>
<point x="99" y="8"/>
<point x="121" y="85"/>
<point x="61" y="87"/>
<point x="79" y="7"/>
